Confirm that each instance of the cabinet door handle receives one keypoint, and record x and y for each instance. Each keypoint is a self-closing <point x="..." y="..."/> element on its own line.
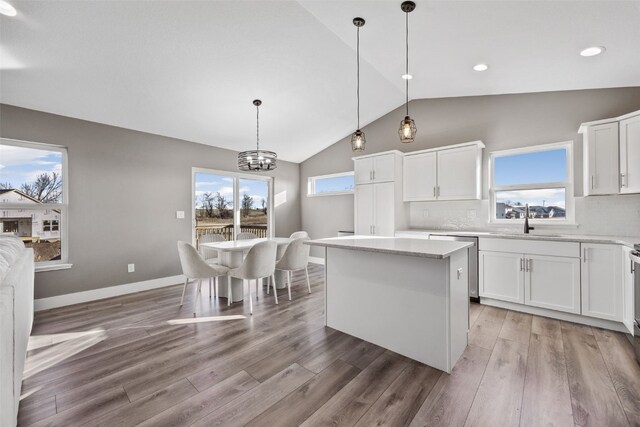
<point x="584" y="255"/>
<point x="374" y="174"/>
<point x="592" y="182"/>
<point x="521" y="264"/>
<point x="633" y="269"/>
<point x="622" y="184"/>
<point x="529" y="264"/>
<point x="434" y="191"/>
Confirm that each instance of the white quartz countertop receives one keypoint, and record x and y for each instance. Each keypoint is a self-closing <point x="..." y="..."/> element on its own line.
<point x="582" y="238"/>
<point x="392" y="245"/>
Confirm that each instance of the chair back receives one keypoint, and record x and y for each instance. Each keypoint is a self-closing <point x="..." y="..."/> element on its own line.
<point x="299" y="235"/>
<point x="260" y="260"/>
<point x="296" y="256"/>
<point x="246" y="235"/>
<point x="208" y="253"/>
<point x="193" y="266"/>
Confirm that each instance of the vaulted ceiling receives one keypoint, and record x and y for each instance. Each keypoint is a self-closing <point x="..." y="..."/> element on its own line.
<point x="190" y="69"/>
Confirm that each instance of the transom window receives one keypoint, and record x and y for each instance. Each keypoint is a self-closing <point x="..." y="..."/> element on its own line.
<point x="333" y="184"/>
<point x="539" y="176"/>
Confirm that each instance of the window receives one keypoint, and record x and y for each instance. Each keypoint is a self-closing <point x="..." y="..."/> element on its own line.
<point x="33" y="190"/>
<point x="227" y="203"/>
<point x="328" y="185"/>
<point x="540" y="177"/>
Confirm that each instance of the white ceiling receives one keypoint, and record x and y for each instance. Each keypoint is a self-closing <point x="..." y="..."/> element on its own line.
<point x="190" y="69"/>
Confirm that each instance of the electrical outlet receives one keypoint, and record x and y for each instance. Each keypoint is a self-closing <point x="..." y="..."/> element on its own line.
<point x="471" y="213"/>
<point x="180" y="214"/>
<point x="131" y="268"/>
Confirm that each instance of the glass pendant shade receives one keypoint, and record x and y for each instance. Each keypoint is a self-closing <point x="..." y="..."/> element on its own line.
<point x="407" y="131"/>
<point x="358" y="141"/>
<point x="257" y="160"/>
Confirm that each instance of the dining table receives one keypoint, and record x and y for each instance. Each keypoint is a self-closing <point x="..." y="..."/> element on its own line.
<point x="231" y="254"/>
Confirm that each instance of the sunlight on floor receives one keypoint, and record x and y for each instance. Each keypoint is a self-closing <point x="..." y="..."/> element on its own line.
<point x="62" y="346"/>
<point x="204" y="319"/>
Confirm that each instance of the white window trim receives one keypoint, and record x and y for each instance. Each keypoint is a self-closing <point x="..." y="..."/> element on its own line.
<point x="567" y="185"/>
<point x="63" y="207"/>
<point x="236" y="198"/>
<point x="311" y="185"/>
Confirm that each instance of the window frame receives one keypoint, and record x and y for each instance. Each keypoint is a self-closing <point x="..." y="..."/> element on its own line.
<point x="311" y="184"/>
<point x="63" y="206"/>
<point x="567" y="185"/>
<point x="237" y="176"/>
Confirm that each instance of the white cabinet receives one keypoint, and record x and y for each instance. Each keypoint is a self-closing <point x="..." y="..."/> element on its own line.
<point x="602" y="283"/>
<point x="536" y="273"/>
<point x="376" y="168"/>
<point x="419" y="177"/>
<point x="449" y="173"/>
<point x="374" y="209"/>
<point x="459" y="173"/>
<point x="552" y="282"/>
<point x="502" y="276"/>
<point x="630" y="155"/>
<point x="628" y="289"/>
<point x="378" y="194"/>
<point x="601" y="157"/>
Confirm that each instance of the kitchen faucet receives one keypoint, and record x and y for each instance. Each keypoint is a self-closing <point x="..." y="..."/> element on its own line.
<point x="527" y="228"/>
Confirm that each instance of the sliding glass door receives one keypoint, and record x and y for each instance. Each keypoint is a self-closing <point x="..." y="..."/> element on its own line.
<point x="226" y="204"/>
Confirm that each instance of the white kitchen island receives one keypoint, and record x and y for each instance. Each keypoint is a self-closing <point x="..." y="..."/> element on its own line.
<point x="410" y="296"/>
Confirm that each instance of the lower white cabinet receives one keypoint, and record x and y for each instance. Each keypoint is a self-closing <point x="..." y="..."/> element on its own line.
<point x="502" y="276"/>
<point x="628" y="310"/>
<point x="535" y="280"/>
<point x="552" y="282"/>
<point x="602" y="283"/>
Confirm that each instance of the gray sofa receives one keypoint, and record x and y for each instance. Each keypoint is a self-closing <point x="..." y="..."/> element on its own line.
<point x="16" y="319"/>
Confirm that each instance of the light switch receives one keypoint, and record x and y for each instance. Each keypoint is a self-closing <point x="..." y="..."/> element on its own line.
<point x="180" y="214"/>
<point x="131" y="268"/>
<point x="425" y="213"/>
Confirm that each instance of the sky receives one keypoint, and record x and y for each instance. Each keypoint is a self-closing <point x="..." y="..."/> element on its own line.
<point x="340" y="183"/>
<point x="19" y="165"/>
<point x="218" y="183"/>
<point x="531" y="168"/>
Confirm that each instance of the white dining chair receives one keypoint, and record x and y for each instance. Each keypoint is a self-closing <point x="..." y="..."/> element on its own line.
<point x="295" y="257"/>
<point x="194" y="267"/>
<point x="209" y="254"/>
<point x="259" y="263"/>
<point x="299" y="235"/>
<point x="246" y="235"/>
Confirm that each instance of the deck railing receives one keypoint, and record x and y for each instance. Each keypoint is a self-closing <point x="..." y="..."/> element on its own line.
<point x="226" y="231"/>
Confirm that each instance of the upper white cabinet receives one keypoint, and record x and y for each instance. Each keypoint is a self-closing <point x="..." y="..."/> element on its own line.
<point x="420" y="177"/>
<point x="448" y="173"/>
<point x="601" y="159"/>
<point x="382" y="167"/>
<point x="378" y="194"/>
<point x="602" y="282"/>
<point x="612" y="155"/>
<point x="630" y="155"/>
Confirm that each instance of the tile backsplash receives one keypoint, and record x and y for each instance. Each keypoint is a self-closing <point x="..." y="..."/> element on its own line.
<point x="596" y="215"/>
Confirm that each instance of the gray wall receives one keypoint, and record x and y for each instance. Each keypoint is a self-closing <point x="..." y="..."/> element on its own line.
<point x="124" y="190"/>
<point x="500" y="121"/>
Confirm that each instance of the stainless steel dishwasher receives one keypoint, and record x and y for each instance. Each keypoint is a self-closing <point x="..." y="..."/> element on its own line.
<point x="473" y="261"/>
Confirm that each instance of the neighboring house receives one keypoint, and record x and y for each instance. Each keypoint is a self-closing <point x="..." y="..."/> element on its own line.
<point x="42" y="224"/>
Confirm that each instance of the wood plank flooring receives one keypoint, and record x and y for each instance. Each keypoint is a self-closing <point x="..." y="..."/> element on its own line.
<point x="141" y="359"/>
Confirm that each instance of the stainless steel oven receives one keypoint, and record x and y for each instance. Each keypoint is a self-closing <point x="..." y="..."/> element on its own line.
<point x="635" y="263"/>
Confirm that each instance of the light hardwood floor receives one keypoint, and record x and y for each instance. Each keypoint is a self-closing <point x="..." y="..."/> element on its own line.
<point x="141" y="359"/>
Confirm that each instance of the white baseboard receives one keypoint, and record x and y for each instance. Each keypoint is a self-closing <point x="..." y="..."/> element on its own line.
<point x="102" y="293"/>
<point x="569" y="317"/>
<point x="316" y="260"/>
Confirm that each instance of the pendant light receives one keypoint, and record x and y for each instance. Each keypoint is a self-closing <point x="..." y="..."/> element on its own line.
<point x="257" y="160"/>
<point x="407" y="131"/>
<point x="358" y="140"/>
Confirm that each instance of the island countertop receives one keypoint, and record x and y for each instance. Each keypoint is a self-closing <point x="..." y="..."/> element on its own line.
<point x="438" y="249"/>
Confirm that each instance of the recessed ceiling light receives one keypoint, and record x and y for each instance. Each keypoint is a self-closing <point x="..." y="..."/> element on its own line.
<point x="481" y="67"/>
<point x="407" y="76"/>
<point x="7" y="9"/>
<point x="592" y="51"/>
